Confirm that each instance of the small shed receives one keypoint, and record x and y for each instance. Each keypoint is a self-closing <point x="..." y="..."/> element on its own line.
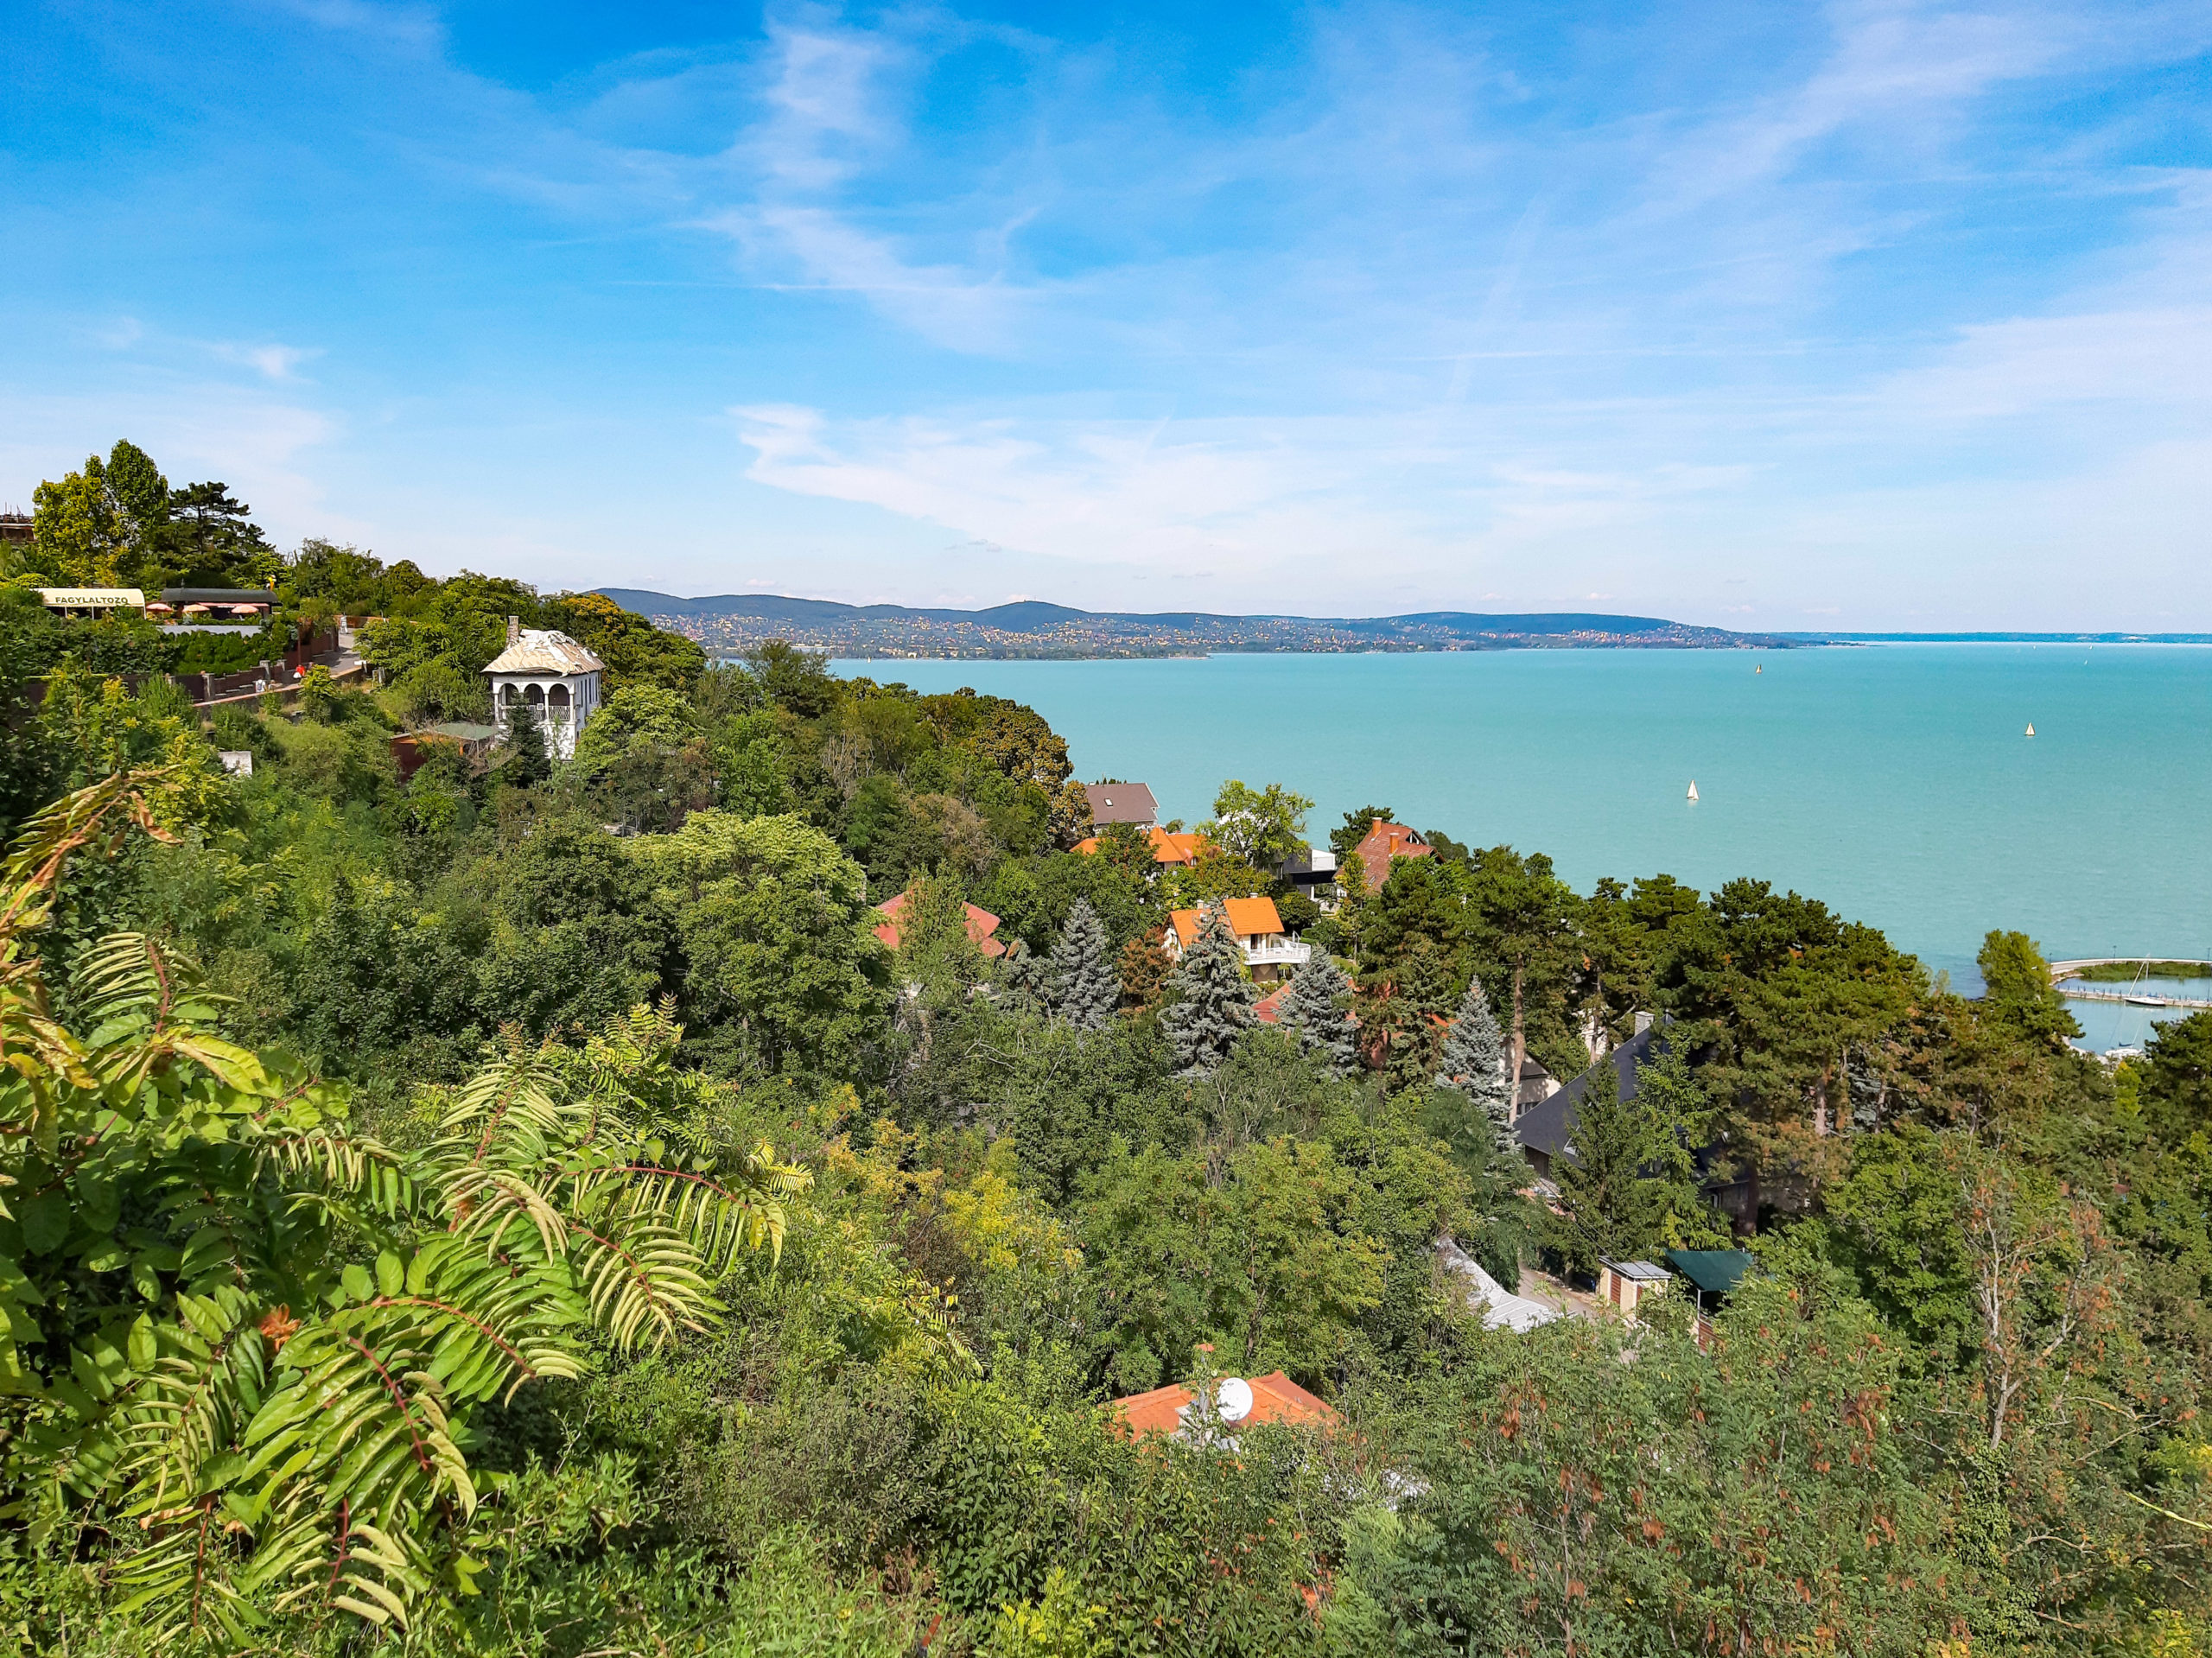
<point x="1713" y="1273"/>
<point x="1627" y="1284"/>
<point x="474" y="741"/>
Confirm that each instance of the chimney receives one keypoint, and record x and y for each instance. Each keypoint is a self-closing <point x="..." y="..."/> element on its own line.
<point x="514" y="631"/>
<point x="1643" y="1022"/>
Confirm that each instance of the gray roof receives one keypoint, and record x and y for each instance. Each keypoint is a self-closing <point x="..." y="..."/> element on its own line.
<point x="1121" y="803"/>
<point x="1548" y="1125"/>
<point x="544" y="651"/>
<point x="1644" y="1270"/>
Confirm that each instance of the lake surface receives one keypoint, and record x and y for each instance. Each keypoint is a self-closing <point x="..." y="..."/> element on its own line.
<point x="1894" y="782"/>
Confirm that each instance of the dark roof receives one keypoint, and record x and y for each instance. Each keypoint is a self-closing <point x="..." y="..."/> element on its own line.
<point x="1643" y="1271"/>
<point x="1548" y="1125"/>
<point x="1121" y="803"/>
<point x="1714" y="1271"/>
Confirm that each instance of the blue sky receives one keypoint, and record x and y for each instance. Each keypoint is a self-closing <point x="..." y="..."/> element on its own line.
<point x="1772" y="316"/>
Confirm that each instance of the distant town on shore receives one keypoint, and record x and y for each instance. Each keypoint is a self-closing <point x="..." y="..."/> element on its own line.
<point x="731" y="623"/>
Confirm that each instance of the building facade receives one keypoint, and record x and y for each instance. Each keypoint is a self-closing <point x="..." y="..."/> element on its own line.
<point x="552" y="675"/>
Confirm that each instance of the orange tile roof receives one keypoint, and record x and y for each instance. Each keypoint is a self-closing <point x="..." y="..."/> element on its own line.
<point x="981" y="923"/>
<point x="1276" y="1398"/>
<point x="1247" y="917"/>
<point x="1384" y="843"/>
<point x="1269" y="1009"/>
<point x="1181" y="849"/>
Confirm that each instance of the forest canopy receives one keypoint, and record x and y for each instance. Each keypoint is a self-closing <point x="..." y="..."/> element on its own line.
<point x="530" y="1206"/>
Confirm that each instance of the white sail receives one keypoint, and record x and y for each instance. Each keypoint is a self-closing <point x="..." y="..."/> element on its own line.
<point x="2031" y="728"/>
<point x="1693" y="788"/>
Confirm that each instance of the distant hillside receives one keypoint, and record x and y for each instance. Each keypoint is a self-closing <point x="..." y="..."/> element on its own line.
<point x="730" y="622"/>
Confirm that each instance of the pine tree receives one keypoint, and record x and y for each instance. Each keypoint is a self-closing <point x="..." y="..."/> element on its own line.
<point x="1474" y="1061"/>
<point x="1212" y="1002"/>
<point x="1085" y="989"/>
<point x="1024" y="977"/>
<point x="527" y="762"/>
<point x="1401" y="1007"/>
<point x="1318" y="1010"/>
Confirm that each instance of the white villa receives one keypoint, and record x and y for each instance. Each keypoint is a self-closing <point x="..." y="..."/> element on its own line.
<point x="1267" y="949"/>
<point x="557" y="677"/>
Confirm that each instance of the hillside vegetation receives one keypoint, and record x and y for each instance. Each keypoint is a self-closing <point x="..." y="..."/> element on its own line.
<point x="529" y="1209"/>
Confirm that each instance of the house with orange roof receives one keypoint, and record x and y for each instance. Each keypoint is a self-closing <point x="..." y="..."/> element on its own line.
<point x="1258" y="926"/>
<point x="1178" y="851"/>
<point x="1237" y="1403"/>
<point x="1385" y="844"/>
<point x="981" y="923"/>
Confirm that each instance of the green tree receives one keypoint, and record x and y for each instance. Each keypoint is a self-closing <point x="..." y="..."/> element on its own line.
<point x="1355" y="827"/>
<point x="1085" y="991"/>
<point x="1318" y="1012"/>
<point x="251" y="1339"/>
<point x="527" y="763"/>
<point x="1210" y="1000"/>
<point x="2016" y="982"/>
<point x="1473" y="1061"/>
<point x="1630" y="1189"/>
<point x="1264" y="828"/>
<point x="774" y="923"/>
<point x="1521" y="936"/>
<point x="76" y="528"/>
<point x="1401" y="1007"/>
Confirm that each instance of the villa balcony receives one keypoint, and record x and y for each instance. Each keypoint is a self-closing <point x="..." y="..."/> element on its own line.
<point x="1276" y="952"/>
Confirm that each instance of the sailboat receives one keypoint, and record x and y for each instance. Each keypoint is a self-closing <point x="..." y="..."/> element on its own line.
<point x="2031" y="728"/>
<point x="1693" y="788"/>
<point x="1760" y="669"/>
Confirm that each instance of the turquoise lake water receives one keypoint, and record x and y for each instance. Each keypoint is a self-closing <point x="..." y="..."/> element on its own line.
<point x="1894" y="782"/>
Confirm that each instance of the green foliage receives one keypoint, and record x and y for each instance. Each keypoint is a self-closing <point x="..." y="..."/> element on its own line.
<point x="1261" y="828"/>
<point x="1210" y="1000"/>
<point x="1474" y="1061"/>
<point x="253" y="1337"/>
<point x="1957" y="1405"/>
<point x="1630" y="1189"/>
<point x="1085" y="990"/>
<point x="774" y="922"/>
<point x="1319" y="1011"/>
<point x="2017" y="982"/>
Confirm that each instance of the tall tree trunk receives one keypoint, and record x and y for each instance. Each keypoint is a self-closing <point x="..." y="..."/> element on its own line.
<point x="1520" y="1044"/>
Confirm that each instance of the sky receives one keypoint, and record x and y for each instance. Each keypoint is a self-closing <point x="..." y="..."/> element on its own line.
<point x="1871" y="315"/>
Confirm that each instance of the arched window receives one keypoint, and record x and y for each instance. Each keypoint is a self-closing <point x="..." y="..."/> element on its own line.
<point x="537" y="695"/>
<point x="507" y="694"/>
<point x="558" y="697"/>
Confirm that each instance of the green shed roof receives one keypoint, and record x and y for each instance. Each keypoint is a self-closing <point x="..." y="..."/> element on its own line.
<point x="1714" y="1271"/>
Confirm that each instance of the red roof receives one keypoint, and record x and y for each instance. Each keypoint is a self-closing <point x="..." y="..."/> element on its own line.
<point x="1268" y="1008"/>
<point x="1384" y="843"/>
<point x="1276" y="1398"/>
<point x="981" y="923"/>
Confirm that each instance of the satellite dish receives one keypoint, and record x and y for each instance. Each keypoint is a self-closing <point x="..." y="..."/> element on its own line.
<point x="1232" y="1399"/>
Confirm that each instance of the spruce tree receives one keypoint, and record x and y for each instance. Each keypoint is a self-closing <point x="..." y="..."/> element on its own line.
<point x="1084" y="987"/>
<point x="527" y="762"/>
<point x="1212" y="1003"/>
<point x="1319" y="1009"/>
<point x="1025" y="978"/>
<point x="1474" y="1061"/>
